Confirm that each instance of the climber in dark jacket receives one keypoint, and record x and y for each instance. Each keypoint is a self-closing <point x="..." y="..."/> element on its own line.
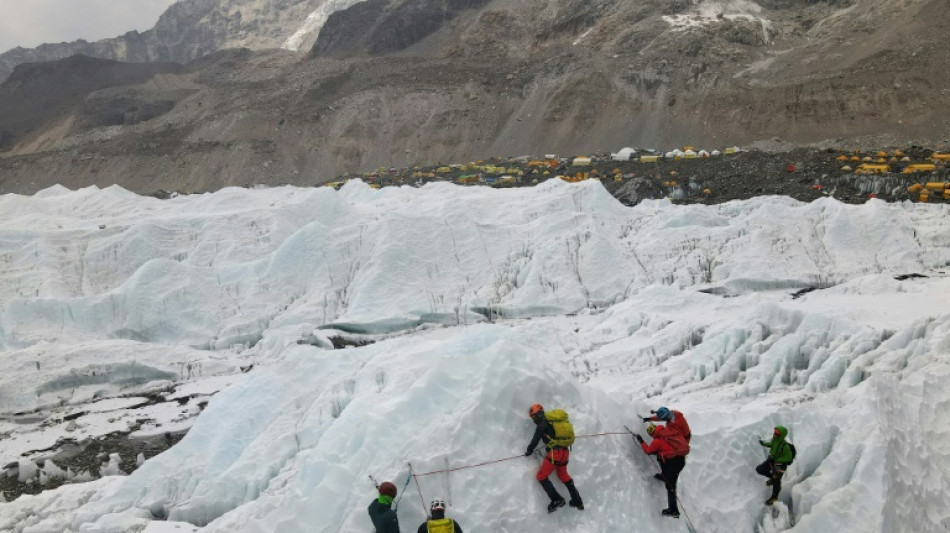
<point x="555" y="460"/>
<point x="381" y="512"/>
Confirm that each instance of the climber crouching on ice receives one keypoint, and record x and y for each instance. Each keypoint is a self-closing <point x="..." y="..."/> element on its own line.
<point x="781" y="454"/>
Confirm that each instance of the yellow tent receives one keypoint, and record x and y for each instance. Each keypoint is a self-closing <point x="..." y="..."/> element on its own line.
<point x="868" y="168"/>
<point x="919" y="167"/>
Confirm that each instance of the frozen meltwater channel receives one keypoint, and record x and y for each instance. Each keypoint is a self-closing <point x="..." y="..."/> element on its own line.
<point x="555" y="294"/>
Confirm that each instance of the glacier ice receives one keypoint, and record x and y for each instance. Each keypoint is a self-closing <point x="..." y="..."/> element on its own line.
<point x="479" y="303"/>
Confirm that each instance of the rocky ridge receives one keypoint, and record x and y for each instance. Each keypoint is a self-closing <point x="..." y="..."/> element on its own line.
<point x="384" y="85"/>
<point x="188" y="30"/>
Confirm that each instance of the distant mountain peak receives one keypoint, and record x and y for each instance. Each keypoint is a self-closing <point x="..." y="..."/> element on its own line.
<point x="190" y="29"/>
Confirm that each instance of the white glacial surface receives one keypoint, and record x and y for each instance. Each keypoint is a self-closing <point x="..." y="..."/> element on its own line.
<point x="480" y="302"/>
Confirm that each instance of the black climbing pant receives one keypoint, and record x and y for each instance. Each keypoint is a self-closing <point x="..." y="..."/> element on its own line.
<point x="671" y="469"/>
<point x="549" y="488"/>
<point x="774" y="472"/>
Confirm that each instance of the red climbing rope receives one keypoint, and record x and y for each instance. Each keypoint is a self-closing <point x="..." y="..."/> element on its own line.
<point x="467" y="466"/>
<point x="419" y="489"/>
<point x="513" y="457"/>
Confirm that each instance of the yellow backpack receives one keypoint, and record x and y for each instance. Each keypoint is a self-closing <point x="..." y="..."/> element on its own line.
<point x="442" y="525"/>
<point x="563" y="430"/>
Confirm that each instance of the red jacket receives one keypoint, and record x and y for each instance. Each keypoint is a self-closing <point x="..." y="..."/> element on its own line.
<point x="678" y="423"/>
<point x="659" y="446"/>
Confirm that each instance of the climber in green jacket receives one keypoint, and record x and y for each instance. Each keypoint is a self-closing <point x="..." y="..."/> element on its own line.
<point x="781" y="454"/>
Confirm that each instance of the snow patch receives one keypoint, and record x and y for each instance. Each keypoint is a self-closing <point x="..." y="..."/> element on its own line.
<point x="713" y="11"/>
<point x="315" y="21"/>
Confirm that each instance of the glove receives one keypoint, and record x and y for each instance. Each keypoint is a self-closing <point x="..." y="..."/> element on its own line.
<point x="652" y="412"/>
<point x="762" y="442"/>
<point x="528" y="452"/>
<point x="639" y="438"/>
<point x="646" y="419"/>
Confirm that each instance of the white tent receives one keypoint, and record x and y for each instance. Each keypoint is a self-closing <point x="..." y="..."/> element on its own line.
<point x="625" y="154"/>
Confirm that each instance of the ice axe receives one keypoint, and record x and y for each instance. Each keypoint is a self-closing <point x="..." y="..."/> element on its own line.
<point x="403" y="491"/>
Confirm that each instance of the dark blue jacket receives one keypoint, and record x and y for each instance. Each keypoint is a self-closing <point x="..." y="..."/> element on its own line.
<point x="383" y="517"/>
<point x="543" y="432"/>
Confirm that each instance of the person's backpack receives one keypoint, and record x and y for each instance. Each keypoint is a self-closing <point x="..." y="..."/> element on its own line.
<point x="677" y="441"/>
<point x="794" y="452"/>
<point x="563" y="430"/>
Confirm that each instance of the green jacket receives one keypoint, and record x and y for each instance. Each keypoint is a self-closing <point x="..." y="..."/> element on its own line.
<point x="779" y="450"/>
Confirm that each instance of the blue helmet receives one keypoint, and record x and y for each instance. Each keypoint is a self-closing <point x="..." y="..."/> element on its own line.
<point x="664" y="414"/>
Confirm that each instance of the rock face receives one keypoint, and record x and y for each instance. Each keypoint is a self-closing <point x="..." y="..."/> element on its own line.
<point x="44" y="93"/>
<point x="189" y="29"/>
<point x="400" y="82"/>
<point x="380" y="27"/>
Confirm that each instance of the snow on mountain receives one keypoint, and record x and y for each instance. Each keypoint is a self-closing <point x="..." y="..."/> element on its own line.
<point x="712" y="11"/>
<point x="482" y="302"/>
<point x="191" y="29"/>
<point x="308" y="31"/>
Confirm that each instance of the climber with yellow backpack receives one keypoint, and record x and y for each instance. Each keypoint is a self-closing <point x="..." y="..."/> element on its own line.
<point x="437" y="522"/>
<point x="556" y="432"/>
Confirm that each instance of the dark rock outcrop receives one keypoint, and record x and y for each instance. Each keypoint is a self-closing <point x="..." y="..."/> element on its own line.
<point x="36" y="94"/>
<point x="380" y="27"/>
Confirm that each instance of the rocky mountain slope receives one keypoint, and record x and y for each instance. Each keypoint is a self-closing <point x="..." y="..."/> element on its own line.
<point x="399" y="82"/>
<point x="41" y="92"/>
<point x="190" y="29"/>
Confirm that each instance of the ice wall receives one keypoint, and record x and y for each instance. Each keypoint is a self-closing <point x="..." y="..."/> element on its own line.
<point x="220" y="269"/>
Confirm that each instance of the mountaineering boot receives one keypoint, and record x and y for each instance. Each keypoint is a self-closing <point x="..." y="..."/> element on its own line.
<point x="556" y="499"/>
<point x="659" y="477"/>
<point x="671" y="509"/>
<point x="771" y="500"/>
<point x="769" y="482"/>
<point x="576" y="501"/>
